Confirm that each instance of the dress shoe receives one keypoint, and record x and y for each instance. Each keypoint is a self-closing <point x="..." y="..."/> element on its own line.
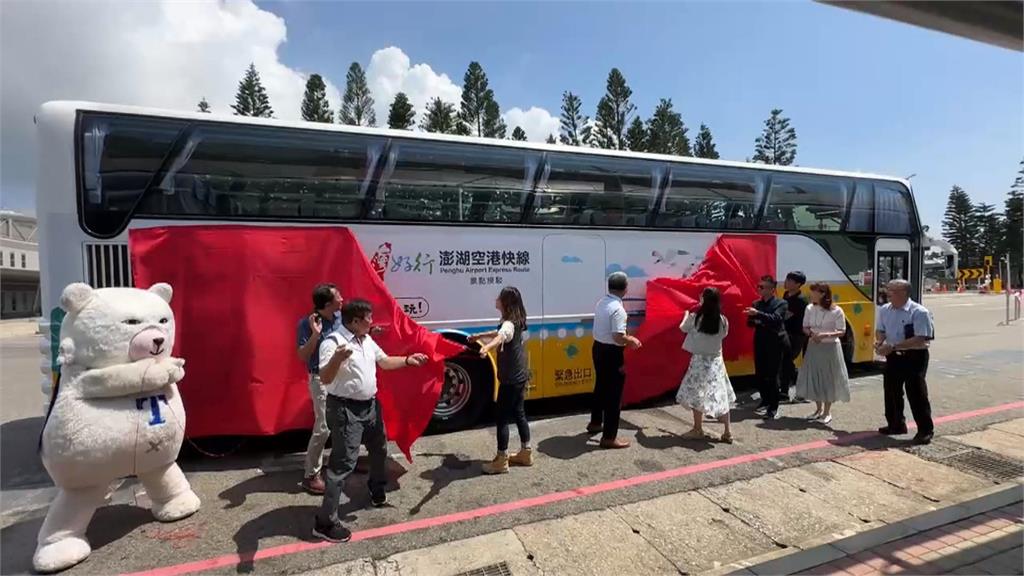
<point x="922" y="439"/>
<point x="890" y="431"/>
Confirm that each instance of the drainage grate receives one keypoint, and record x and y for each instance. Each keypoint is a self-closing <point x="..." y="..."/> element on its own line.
<point x="499" y="569"/>
<point x="979" y="462"/>
<point x="939" y="450"/>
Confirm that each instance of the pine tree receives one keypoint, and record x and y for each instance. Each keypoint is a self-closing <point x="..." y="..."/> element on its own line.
<point x="666" y="133"/>
<point x="479" y="111"/>
<point x="636" y="136"/>
<point x="576" y="128"/>
<point x="251" y="99"/>
<point x="958" y="226"/>
<point x="203" y="106"/>
<point x="551" y="139"/>
<point x="439" y="117"/>
<point x="494" y="126"/>
<point x="613" y="113"/>
<point x="988" y="229"/>
<point x="401" y="115"/>
<point x="315" y="107"/>
<point x="1013" y="235"/>
<point x="777" y="144"/>
<point x="519" y="134"/>
<point x="357" y="104"/>
<point x="704" y="146"/>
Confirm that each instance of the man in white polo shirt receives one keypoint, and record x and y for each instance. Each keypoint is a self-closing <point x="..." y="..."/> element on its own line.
<point x="348" y="368"/>
<point x="610" y="340"/>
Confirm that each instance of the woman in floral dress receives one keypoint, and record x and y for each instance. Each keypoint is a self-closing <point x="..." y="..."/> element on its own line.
<point x="705" y="388"/>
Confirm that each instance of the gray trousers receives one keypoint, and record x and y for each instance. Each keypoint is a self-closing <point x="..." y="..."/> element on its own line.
<point x="352" y="422"/>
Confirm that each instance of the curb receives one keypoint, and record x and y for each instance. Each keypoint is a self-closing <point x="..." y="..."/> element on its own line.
<point x="825" y="549"/>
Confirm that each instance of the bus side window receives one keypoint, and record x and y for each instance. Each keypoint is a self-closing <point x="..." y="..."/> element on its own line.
<point x="809" y="203"/>
<point x="892" y="209"/>
<point x="587" y="191"/>
<point x="714" y="198"/>
<point x="861" y="217"/>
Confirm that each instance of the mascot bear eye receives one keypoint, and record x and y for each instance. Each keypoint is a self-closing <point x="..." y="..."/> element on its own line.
<point x="163" y="320"/>
<point x="133" y="322"/>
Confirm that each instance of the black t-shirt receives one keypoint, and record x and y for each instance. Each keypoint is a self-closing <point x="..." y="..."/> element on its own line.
<point x="797" y="305"/>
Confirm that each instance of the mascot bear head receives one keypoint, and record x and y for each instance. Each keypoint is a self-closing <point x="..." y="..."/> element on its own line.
<point x="109" y="326"/>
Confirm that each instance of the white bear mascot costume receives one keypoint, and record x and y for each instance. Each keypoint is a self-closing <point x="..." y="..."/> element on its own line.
<point x="115" y="413"/>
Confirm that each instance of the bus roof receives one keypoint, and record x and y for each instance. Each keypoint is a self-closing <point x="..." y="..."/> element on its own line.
<point x="61" y="107"/>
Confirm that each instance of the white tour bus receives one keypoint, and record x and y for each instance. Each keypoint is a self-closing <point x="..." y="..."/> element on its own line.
<point x="452" y="220"/>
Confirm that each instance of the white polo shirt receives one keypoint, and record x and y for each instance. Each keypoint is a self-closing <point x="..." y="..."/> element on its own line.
<point x="357" y="376"/>
<point x="609" y="319"/>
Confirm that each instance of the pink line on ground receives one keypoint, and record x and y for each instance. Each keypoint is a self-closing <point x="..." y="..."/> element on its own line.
<point x="543" y="500"/>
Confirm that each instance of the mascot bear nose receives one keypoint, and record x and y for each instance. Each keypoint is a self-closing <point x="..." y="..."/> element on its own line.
<point x="158" y="341"/>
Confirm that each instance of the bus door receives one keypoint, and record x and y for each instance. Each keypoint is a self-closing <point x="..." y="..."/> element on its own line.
<point x="892" y="261"/>
<point x="573" y="281"/>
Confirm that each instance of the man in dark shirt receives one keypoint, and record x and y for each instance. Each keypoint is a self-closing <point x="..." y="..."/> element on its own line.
<point x="767" y="316"/>
<point x="796" y="305"/>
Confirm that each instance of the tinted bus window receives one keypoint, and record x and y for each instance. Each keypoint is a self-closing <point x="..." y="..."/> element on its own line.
<point x="439" y="181"/>
<point x="892" y="209"/>
<point x="117" y="159"/>
<point x="704" y="197"/>
<point x="595" y="191"/>
<point x="862" y="209"/>
<point x="808" y="203"/>
<point x="243" y="171"/>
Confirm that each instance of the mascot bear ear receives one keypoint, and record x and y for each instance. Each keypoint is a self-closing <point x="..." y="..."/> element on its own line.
<point x="163" y="290"/>
<point x="75" y="297"/>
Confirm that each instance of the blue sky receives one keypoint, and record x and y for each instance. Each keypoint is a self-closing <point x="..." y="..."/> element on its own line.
<point x="864" y="93"/>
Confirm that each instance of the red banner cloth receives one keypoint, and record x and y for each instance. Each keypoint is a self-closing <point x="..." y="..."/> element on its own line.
<point x="239" y="293"/>
<point x="733" y="264"/>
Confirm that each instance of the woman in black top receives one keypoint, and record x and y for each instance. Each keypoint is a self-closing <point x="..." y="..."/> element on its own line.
<point x="513" y="376"/>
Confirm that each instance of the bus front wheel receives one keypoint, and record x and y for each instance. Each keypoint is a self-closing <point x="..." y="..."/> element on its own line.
<point x="467" y="390"/>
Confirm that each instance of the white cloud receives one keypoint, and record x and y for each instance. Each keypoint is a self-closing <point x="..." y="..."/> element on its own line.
<point x="390" y="72"/>
<point x="165" y="54"/>
<point x="538" y="123"/>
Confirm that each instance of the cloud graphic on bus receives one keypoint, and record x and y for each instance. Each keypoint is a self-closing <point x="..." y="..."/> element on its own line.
<point x="631" y="271"/>
<point x="572" y="260"/>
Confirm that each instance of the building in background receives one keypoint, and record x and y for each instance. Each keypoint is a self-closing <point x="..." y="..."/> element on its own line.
<point x="19" y="266"/>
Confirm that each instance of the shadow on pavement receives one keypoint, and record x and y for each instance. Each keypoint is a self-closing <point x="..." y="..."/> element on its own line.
<point x="289" y="521"/>
<point x="20" y="465"/>
<point x="452" y="469"/>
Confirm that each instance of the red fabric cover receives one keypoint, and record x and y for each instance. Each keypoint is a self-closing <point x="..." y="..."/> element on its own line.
<point x="733" y="264"/>
<point x="239" y="293"/>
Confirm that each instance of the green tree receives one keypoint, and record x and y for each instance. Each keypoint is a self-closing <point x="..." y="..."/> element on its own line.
<point x="636" y="136"/>
<point x="989" y="230"/>
<point x="251" y="98"/>
<point x="401" y="115"/>
<point x="1013" y="237"/>
<point x="704" y="146"/>
<point x="315" y="107"/>
<point x="439" y="117"/>
<point x="777" y="143"/>
<point x="519" y="134"/>
<point x="479" y="111"/>
<point x="357" y="104"/>
<point x="575" y="126"/>
<point x="551" y="139"/>
<point x="666" y="133"/>
<point x="613" y="113"/>
<point x="203" y="106"/>
<point x="958" y="227"/>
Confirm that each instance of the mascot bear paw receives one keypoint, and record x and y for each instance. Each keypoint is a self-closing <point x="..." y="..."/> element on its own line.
<point x="115" y="413"/>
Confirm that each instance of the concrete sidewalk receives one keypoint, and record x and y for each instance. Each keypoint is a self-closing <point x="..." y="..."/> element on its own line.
<point x="824" y="517"/>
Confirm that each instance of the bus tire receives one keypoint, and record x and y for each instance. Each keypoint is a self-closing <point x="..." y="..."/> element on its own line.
<point x="467" y="390"/>
<point x="846" y="342"/>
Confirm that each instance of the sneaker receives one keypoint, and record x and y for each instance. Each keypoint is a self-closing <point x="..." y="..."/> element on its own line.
<point x="522" y="458"/>
<point x="378" y="499"/>
<point x="331" y="533"/>
<point x="771" y="415"/>
<point x="761" y="410"/>
<point x="314" y="485"/>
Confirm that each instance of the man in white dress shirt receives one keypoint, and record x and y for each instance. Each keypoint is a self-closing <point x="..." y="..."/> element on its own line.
<point x="610" y="340"/>
<point x="348" y="368"/>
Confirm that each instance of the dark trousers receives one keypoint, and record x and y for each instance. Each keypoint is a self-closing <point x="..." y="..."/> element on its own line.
<point x="607" y="402"/>
<point x="907" y="370"/>
<point x="510" y="409"/>
<point x="352" y="422"/>
<point x="795" y="347"/>
<point x="768" y="353"/>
